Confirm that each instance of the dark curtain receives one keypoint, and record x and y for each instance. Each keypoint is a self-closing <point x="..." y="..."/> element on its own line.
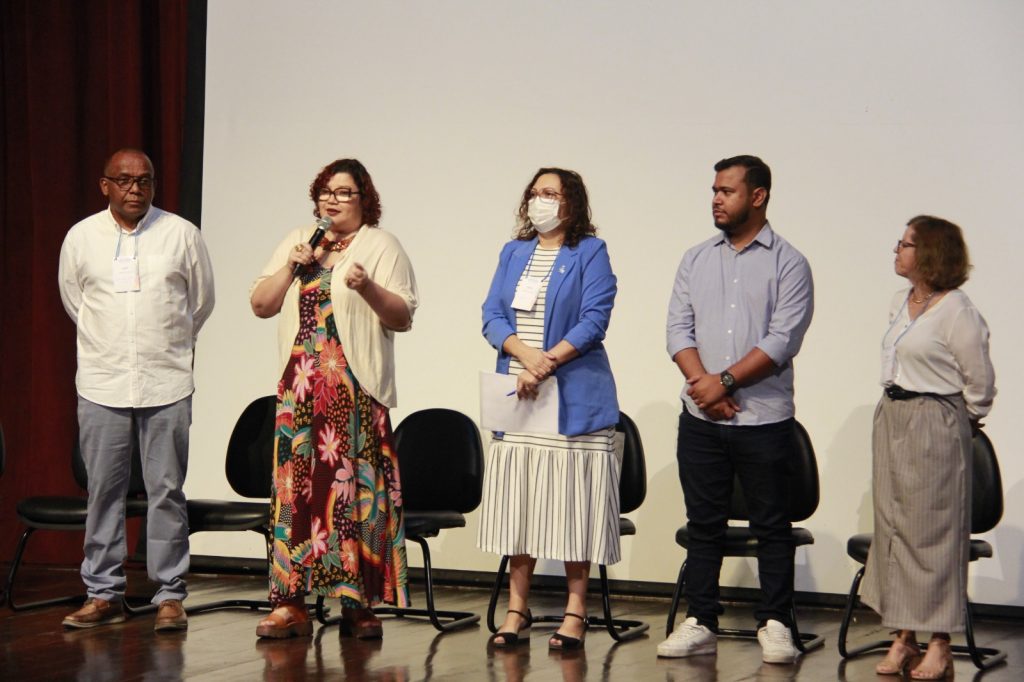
<point x="81" y="78"/>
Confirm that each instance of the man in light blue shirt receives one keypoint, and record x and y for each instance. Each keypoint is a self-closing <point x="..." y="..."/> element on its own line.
<point x="740" y="306"/>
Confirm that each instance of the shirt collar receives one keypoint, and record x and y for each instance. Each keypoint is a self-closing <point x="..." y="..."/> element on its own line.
<point x="143" y="221"/>
<point x="765" y="237"/>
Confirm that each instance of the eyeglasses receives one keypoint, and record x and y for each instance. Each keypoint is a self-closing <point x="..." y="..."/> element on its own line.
<point x="900" y="245"/>
<point x="125" y="182"/>
<point x="342" y="194"/>
<point x="548" y="194"/>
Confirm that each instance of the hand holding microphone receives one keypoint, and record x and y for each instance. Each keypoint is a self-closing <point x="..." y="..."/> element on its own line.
<point x="303" y="253"/>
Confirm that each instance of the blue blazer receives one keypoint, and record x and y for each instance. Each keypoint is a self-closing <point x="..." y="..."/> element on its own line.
<point x="580" y="296"/>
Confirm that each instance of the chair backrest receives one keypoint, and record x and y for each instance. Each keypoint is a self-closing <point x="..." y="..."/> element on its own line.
<point x="633" y="479"/>
<point x="249" y="464"/>
<point x="986" y="486"/>
<point x="803" y="481"/>
<point x="136" y="484"/>
<point x="440" y="461"/>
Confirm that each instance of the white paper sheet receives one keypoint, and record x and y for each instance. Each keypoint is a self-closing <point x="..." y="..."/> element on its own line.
<point x="500" y="411"/>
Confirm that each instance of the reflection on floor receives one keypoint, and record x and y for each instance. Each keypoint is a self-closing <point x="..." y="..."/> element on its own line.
<point x="222" y="646"/>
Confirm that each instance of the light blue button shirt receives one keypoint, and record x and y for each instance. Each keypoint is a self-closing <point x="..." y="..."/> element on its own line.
<point x="726" y="302"/>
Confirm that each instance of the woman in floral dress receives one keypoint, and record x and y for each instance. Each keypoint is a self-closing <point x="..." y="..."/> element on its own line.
<point x="337" y="502"/>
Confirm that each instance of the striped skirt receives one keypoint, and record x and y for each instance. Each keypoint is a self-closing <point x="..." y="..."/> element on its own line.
<point x="916" y="574"/>
<point x="552" y="497"/>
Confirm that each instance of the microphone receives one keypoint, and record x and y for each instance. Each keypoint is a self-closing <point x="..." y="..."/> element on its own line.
<point x="322" y="225"/>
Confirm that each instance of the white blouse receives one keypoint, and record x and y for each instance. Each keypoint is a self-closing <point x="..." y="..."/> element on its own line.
<point x="943" y="351"/>
<point x="369" y="345"/>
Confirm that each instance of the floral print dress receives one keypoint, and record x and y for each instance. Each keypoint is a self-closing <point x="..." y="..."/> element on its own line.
<point x="337" y="502"/>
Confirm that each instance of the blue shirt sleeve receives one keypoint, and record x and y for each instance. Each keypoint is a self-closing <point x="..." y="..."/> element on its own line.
<point x="496" y="325"/>
<point x="793" y="310"/>
<point x="680" y="328"/>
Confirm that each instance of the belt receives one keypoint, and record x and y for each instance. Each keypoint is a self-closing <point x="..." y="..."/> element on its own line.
<point x="897" y="392"/>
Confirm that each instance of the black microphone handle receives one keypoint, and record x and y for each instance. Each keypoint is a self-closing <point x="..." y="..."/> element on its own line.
<point x="318" y="234"/>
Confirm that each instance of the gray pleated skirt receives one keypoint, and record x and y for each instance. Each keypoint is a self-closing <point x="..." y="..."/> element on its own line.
<point x="916" y="574"/>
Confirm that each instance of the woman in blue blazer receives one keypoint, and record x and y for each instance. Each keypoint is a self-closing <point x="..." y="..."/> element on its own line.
<point x="553" y="496"/>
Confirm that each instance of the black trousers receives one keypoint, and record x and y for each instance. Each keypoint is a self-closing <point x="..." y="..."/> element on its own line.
<point x="709" y="456"/>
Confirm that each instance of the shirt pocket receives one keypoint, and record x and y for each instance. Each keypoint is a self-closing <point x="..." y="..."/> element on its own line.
<point x="165" y="292"/>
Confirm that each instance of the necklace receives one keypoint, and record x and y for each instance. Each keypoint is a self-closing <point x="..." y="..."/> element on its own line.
<point x="335" y="246"/>
<point x="919" y="301"/>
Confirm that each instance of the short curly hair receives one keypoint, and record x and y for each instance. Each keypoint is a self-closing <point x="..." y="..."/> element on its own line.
<point x="369" y="200"/>
<point x="940" y="253"/>
<point x="577" y="206"/>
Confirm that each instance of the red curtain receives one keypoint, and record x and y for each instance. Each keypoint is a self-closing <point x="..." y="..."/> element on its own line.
<point x="81" y="78"/>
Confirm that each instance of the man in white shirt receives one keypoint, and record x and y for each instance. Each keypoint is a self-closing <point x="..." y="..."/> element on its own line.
<point x="138" y="283"/>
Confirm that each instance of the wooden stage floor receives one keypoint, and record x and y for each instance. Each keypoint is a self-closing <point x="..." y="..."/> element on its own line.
<point x="221" y="646"/>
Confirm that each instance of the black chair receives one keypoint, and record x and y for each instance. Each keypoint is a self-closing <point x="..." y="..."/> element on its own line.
<point x="67" y="513"/>
<point x="249" y="466"/>
<point x="441" y="465"/>
<point x="632" y="491"/>
<point x="986" y="510"/>
<point x="740" y="541"/>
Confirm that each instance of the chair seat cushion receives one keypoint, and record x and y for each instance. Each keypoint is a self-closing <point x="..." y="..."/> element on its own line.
<point x="740" y="541"/>
<point x="56" y="512"/>
<point x="626" y="527"/>
<point x="859" y="545"/>
<point x="428" y="523"/>
<point x="223" y="515"/>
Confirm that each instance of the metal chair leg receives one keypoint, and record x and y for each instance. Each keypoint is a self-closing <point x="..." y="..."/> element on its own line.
<point x="492" y="605"/>
<point x="14" y="606"/>
<point x="620" y="629"/>
<point x="982" y="657"/>
<point x="443" y="621"/>
<point x="677" y="593"/>
<point x="844" y="627"/>
<point x="455" y="619"/>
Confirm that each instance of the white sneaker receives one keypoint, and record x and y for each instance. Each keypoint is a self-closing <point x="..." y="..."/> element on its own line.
<point x="776" y="643"/>
<point x="689" y="639"/>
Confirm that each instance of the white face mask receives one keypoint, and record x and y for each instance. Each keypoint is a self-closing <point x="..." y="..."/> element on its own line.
<point x="543" y="214"/>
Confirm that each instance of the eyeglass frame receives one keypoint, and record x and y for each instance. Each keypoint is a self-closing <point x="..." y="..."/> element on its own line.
<point x="326" y="193"/>
<point x="900" y="245"/>
<point x="119" y="181"/>
<point x="545" y="194"/>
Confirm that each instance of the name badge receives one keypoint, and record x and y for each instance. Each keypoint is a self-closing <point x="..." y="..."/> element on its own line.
<point x="126" y="275"/>
<point x="526" y="293"/>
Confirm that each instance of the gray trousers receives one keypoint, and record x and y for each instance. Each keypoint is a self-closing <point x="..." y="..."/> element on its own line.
<point x="105" y="438"/>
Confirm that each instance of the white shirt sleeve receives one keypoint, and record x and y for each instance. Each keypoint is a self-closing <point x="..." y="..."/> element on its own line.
<point x="968" y="342"/>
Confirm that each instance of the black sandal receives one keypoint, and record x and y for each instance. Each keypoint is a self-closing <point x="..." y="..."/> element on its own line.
<point x="565" y="642"/>
<point x="510" y="639"/>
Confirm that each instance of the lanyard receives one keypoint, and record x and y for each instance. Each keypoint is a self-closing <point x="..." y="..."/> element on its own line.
<point x="120" y="233"/>
<point x="897" y="319"/>
<point x="529" y="263"/>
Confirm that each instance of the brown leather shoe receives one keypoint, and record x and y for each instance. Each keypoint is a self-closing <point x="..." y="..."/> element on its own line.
<point x="361" y="624"/>
<point x="170" y="616"/>
<point x="287" y="620"/>
<point x="95" y="612"/>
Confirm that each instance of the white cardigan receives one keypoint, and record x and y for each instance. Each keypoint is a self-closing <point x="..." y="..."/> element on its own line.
<point x="369" y="346"/>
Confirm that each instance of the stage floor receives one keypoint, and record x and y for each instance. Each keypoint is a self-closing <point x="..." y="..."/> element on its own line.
<point x="221" y="646"/>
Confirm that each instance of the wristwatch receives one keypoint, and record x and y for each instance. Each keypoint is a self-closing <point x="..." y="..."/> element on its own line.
<point x="728" y="381"/>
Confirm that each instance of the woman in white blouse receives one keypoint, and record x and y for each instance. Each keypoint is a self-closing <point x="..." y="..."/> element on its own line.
<point x="939" y="383"/>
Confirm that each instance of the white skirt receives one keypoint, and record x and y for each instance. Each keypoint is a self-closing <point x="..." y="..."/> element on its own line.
<point x="552" y="497"/>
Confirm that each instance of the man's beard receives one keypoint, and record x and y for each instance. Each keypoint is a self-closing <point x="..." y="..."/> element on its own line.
<point x="731" y="223"/>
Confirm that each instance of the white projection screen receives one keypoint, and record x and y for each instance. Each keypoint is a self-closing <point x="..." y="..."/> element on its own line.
<point x="868" y="114"/>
